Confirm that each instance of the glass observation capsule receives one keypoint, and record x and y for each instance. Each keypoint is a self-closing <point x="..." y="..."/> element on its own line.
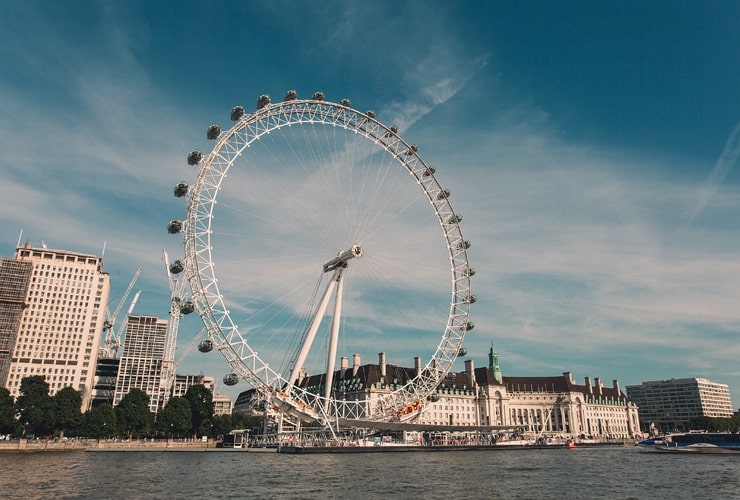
<point x="205" y="345"/>
<point x="194" y="157"/>
<point x="187" y="307"/>
<point x="213" y="132"/>
<point x="236" y="113"/>
<point x="181" y="189"/>
<point x="177" y="267"/>
<point x="174" y="227"/>
<point x="231" y="379"/>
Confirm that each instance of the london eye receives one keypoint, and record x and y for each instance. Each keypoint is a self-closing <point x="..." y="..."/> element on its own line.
<point x="315" y="231"/>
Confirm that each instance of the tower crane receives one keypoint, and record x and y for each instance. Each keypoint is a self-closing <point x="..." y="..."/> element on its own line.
<point x="116" y="340"/>
<point x="108" y="350"/>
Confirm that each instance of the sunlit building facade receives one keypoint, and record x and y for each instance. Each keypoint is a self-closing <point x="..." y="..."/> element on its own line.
<point x="60" y="328"/>
<point x="670" y="404"/>
<point x="141" y="359"/>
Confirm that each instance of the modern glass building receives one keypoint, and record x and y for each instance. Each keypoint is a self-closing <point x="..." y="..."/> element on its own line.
<point x="670" y="404"/>
<point x="140" y="366"/>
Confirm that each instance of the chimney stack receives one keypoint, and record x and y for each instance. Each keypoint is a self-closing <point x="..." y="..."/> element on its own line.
<point x="598" y="383"/>
<point x="355" y="364"/>
<point x="381" y="363"/>
<point x="616" y="386"/>
<point x="470" y="371"/>
<point x="345" y="363"/>
<point x="588" y="384"/>
<point x="417" y="364"/>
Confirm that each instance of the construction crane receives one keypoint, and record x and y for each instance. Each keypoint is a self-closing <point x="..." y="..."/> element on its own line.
<point x="108" y="350"/>
<point x="179" y="306"/>
<point x="116" y="341"/>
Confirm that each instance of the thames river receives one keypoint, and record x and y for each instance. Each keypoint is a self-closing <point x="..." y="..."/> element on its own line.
<point x="609" y="473"/>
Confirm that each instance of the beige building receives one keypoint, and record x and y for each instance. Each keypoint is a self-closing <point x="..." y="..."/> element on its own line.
<point x="60" y="328"/>
<point x="481" y="397"/>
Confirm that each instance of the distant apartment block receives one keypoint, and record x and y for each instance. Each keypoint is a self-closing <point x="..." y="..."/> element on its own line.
<point x="140" y="366"/>
<point x="59" y="330"/>
<point x="670" y="404"/>
<point x="184" y="382"/>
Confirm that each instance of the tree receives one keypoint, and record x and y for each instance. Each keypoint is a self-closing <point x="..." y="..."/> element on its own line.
<point x="133" y="415"/>
<point x="35" y="406"/>
<point x="201" y="408"/>
<point x="67" y="411"/>
<point x="8" y="422"/>
<point x="175" y="418"/>
<point x="100" y="422"/>
<point x="222" y="425"/>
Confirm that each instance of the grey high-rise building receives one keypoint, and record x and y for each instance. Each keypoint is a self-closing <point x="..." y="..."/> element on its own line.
<point x="140" y="366"/>
<point x="59" y="331"/>
<point x="670" y="404"/>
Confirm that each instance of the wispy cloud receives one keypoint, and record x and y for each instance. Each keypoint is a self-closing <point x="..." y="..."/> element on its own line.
<point x="722" y="167"/>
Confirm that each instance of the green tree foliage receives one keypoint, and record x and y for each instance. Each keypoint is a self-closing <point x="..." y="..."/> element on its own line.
<point x="715" y="424"/>
<point x="242" y="421"/>
<point x="35" y="406"/>
<point x="201" y="408"/>
<point x="67" y="411"/>
<point x="222" y="425"/>
<point x="100" y="422"/>
<point x="133" y="415"/>
<point x="175" y="419"/>
<point x="8" y="422"/>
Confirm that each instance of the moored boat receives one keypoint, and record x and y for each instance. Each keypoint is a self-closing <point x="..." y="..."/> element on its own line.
<point x="694" y="442"/>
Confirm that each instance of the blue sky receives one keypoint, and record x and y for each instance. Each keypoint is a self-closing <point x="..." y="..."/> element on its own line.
<point x="591" y="146"/>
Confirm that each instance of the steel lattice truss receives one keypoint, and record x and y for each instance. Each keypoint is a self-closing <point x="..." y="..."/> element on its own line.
<point x="209" y="302"/>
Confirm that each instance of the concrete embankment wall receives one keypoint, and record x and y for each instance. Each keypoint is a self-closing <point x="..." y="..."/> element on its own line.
<point x="83" y="444"/>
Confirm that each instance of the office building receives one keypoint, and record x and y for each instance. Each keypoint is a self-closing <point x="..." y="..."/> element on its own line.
<point x="669" y="405"/>
<point x="140" y="366"/>
<point x="60" y="328"/>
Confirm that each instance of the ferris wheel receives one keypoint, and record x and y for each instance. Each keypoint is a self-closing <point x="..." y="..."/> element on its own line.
<point x="313" y="230"/>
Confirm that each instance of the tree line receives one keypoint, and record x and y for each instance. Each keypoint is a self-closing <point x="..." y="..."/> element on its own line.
<point x="36" y="413"/>
<point x="716" y="424"/>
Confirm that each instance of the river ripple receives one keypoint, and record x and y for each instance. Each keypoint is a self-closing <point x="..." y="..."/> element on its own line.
<point x="613" y="473"/>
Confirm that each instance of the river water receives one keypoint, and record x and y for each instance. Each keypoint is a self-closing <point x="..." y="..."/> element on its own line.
<point x="609" y="473"/>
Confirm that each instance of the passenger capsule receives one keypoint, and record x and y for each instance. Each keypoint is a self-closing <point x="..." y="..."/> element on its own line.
<point x="370" y="113"/>
<point x="194" y="157"/>
<point x="470" y="272"/>
<point x="345" y="102"/>
<point x="263" y="101"/>
<point x="177" y="267"/>
<point x="472" y="299"/>
<point x="237" y="113"/>
<point x="213" y="132"/>
<point x="205" y="345"/>
<point x="187" y="307"/>
<point x="181" y="189"/>
<point x="462" y="351"/>
<point x="454" y="219"/>
<point x="463" y="245"/>
<point x="445" y="193"/>
<point x="174" y="227"/>
<point x="318" y="96"/>
<point x="429" y="171"/>
<point x="391" y="131"/>
<point x="412" y="149"/>
<point x="231" y="379"/>
<point x="290" y="95"/>
<point x="467" y="326"/>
